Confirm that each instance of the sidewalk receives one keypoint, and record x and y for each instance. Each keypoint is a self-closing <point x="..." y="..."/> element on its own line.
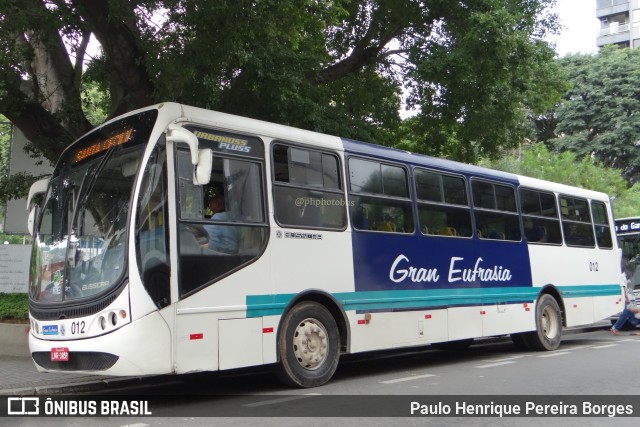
<point x="19" y="376"/>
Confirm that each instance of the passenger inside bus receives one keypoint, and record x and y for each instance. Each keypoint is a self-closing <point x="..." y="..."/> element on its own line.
<point x="533" y="232"/>
<point x="222" y="238"/>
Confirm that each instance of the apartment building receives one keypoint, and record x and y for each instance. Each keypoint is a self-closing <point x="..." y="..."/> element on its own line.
<point x="619" y="22"/>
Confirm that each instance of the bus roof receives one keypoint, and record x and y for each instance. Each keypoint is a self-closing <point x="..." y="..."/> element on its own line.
<point x="175" y="112"/>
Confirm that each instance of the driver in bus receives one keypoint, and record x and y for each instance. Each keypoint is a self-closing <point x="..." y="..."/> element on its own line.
<point x="222" y="238"/>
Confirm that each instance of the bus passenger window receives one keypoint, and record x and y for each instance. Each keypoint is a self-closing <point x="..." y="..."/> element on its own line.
<point x="576" y="222"/>
<point x="495" y="211"/>
<point x="443" y="207"/>
<point x="601" y="224"/>
<point x="307" y="189"/>
<point x="540" y="217"/>
<point x="379" y="197"/>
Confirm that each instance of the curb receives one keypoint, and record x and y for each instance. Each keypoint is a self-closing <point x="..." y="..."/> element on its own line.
<point x="77" y="387"/>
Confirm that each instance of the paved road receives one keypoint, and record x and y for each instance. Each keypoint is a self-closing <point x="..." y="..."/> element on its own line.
<point x="591" y="363"/>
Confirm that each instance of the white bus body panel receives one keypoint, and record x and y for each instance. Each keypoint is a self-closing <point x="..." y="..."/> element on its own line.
<point x="143" y="347"/>
<point x="502" y="319"/>
<point x="198" y="336"/>
<point x="568" y="266"/>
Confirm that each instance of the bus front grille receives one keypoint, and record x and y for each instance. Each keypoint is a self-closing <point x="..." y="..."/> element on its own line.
<point x="78" y="361"/>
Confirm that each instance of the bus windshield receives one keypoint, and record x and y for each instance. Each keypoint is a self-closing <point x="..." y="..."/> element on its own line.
<point x="79" y="246"/>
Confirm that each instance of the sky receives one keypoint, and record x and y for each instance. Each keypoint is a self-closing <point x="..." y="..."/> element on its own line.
<point x="579" y="27"/>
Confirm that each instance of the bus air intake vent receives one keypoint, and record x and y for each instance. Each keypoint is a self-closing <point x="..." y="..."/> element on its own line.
<point x="78" y="361"/>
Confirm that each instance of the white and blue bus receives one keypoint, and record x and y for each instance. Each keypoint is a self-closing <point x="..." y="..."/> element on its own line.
<point x="175" y="239"/>
<point x="628" y="232"/>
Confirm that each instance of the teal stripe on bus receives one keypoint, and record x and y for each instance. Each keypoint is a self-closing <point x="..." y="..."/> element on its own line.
<point x="270" y="305"/>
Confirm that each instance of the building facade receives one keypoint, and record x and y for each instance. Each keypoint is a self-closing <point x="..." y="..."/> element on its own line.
<point x="15" y="219"/>
<point x="619" y="22"/>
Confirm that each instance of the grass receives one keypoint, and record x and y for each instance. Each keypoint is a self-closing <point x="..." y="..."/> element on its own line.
<point x="15" y="239"/>
<point x="14" y="307"/>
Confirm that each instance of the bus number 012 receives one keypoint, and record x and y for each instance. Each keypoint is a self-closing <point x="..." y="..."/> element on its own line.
<point x="593" y="266"/>
<point x="77" y="327"/>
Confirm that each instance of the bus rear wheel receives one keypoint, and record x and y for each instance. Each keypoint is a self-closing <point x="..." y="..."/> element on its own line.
<point x="308" y="346"/>
<point x="548" y="333"/>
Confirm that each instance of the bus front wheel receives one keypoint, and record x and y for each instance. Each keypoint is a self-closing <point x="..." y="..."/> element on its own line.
<point x="308" y="346"/>
<point x="548" y="333"/>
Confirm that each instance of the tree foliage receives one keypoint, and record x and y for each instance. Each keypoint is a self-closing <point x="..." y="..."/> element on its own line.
<point x="470" y="69"/>
<point x="566" y="168"/>
<point x="600" y="115"/>
<point x="5" y="142"/>
<point x="628" y="204"/>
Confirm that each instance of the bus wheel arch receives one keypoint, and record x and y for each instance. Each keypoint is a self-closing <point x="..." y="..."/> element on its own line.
<point x="311" y="336"/>
<point x="549" y="322"/>
<point x="553" y="291"/>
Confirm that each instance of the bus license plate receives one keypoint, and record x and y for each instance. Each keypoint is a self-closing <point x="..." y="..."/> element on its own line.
<point x="60" y="354"/>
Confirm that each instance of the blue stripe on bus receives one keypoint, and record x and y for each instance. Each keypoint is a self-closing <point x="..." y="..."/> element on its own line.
<point x="270" y="305"/>
<point x="395" y="261"/>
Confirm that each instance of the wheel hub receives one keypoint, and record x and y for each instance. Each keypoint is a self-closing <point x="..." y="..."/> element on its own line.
<point x="548" y="323"/>
<point x="310" y="344"/>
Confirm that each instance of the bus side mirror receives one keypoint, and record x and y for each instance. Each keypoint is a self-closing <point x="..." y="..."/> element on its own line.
<point x="201" y="159"/>
<point x="31" y="220"/>
<point x="38" y="187"/>
<point x="202" y="172"/>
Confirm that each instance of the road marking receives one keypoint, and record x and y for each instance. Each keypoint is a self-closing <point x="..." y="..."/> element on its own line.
<point x="399" y="380"/>
<point x="281" y="400"/>
<point x="606" y="346"/>
<point x="578" y="347"/>
<point x="491" y="365"/>
<point x="555" y="353"/>
<point x="504" y="359"/>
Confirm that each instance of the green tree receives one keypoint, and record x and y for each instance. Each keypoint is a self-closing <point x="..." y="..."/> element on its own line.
<point x="537" y="161"/>
<point x="628" y="204"/>
<point x="599" y="116"/>
<point x="471" y="68"/>
<point x="5" y="141"/>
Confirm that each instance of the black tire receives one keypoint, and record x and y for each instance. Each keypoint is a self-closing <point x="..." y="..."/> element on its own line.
<point x="548" y="333"/>
<point x="308" y="346"/>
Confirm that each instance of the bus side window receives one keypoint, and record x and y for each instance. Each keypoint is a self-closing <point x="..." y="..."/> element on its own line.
<point x="379" y="197"/>
<point x="576" y="222"/>
<point x="540" y="217"/>
<point x="152" y="248"/>
<point x="443" y="206"/>
<point x="495" y="211"/>
<point x="307" y="188"/>
<point x="601" y="224"/>
<point x="222" y="224"/>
